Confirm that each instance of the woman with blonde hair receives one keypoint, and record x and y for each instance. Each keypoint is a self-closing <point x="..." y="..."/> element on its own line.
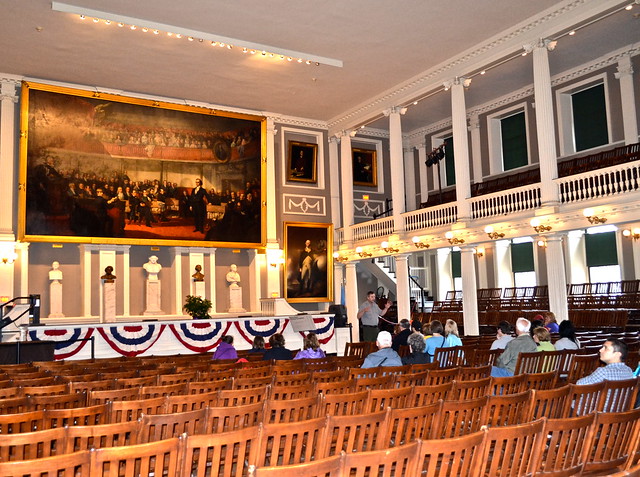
<point x="311" y="348"/>
<point x="451" y="335"/>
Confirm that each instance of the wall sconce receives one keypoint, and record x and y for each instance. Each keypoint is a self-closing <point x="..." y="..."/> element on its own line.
<point x="479" y="251"/>
<point x="339" y="258"/>
<point x="490" y="231"/>
<point x="453" y="240"/>
<point x="385" y="246"/>
<point x="8" y="255"/>
<point x="538" y="227"/>
<point x="592" y="218"/>
<point x="275" y="257"/>
<point x="362" y="253"/>
<point x="542" y="243"/>
<point x="416" y="241"/>
<point x="633" y="234"/>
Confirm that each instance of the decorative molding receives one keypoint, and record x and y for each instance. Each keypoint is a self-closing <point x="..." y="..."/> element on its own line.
<point x="303" y="205"/>
<point x="364" y="209"/>
<point x="381" y="133"/>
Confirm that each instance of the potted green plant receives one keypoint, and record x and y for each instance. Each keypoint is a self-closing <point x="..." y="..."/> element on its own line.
<point x="197" y="307"/>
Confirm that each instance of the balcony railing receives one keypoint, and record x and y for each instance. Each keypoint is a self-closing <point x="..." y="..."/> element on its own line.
<point x="506" y="201"/>
<point x="373" y="229"/>
<point x="432" y="217"/>
<point x="606" y="182"/>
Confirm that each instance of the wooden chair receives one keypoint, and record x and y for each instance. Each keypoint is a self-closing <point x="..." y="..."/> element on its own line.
<point x="549" y="403"/>
<point x="147" y="392"/>
<point x="583" y="399"/>
<point x="327" y="467"/>
<point x="32" y="445"/>
<point x="568" y="443"/>
<point x="512" y="450"/>
<point x="107" y="395"/>
<point x="463" y="390"/>
<point x="508" y="384"/>
<point x="453" y="356"/>
<point x="440" y="376"/>
<point x="238" y="397"/>
<point x="50" y="390"/>
<point x="184" y="378"/>
<point x="252" y="383"/>
<point x="344" y="433"/>
<point x="619" y="396"/>
<point x="378" y="382"/>
<point x="229" y="454"/>
<point x="14" y="405"/>
<point x="359" y="350"/>
<point x="583" y="365"/>
<point x="254" y="372"/>
<point x="395" y="370"/>
<point x="458" y="418"/>
<point x="23" y="422"/>
<point x="344" y="404"/>
<point x="81" y="416"/>
<point x="315" y="365"/>
<point x="10" y="391"/>
<point x="200" y="387"/>
<point x="133" y="410"/>
<point x="336" y="387"/>
<point x="546" y="380"/>
<point x="164" y="426"/>
<point x="295" y="379"/>
<point x="284" y="444"/>
<point x="472" y="373"/>
<point x="64" y="465"/>
<point x="614" y="436"/>
<point x="380" y="399"/>
<point x="357" y="373"/>
<point x="87" y="386"/>
<point x="529" y="363"/>
<point x="57" y="401"/>
<point x="155" y="458"/>
<point x="407" y="425"/>
<point x="217" y="374"/>
<point x="412" y="379"/>
<point x="280" y="392"/>
<point x="190" y="402"/>
<point x="291" y="410"/>
<point x="486" y="357"/>
<point x="418" y="368"/>
<point x="286" y="368"/>
<point x="507" y="409"/>
<point x="232" y="418"/>
<point x="423" y="395"/>
<point x="328" y="376"/>
<point x="454" y="456"/>
<point x="396" y="461"/>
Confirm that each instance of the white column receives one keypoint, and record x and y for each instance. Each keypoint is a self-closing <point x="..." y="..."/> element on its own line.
<point x="273" y="273"/>
<point x="629" y="114"/>
<point x="107" y="257"/>
<point x="346" y="174"/>
<point x="445" y="278"/>
<point x="126" y="279"/>
<point x="502" y="264"/>
<point x="483" y="265"/>
<point x="578" y="270"/>
<point x="403" y="290"/>
<point x="352" y="299"/>
<point x="338" y="282"/>
<point x="556" y="277"/>
<point x="469" y="290"/>
<point x="461" y="145"/>
<point x="424" y="181"/>
<point x="476" y="153"/>
<point x="410" y="177"/>
<point x="85" y="270"/>
<point x="397" y="166"/>
<point x="177" y="279"/>
<point x="8" y="156"/>
<point x="544" y="121"/>
<point x="210" y="275"/>
<point x="334" y="182"/>
<point x="22" y="289"/>
<point x="636" y="258"/>
<point x="254" y="280"/>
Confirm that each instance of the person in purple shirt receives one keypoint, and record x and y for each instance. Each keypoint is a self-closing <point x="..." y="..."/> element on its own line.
<point x="311" y="348"/>
<point x="550" y="322"/>
<point x="225" y="349"/>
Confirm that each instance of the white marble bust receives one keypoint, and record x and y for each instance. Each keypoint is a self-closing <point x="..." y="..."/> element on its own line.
<point x="233" y="277"/>
<point x="55" y="273"/>
<point x="153" y="268"/>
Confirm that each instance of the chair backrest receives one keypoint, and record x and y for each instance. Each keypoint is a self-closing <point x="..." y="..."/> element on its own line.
<point x="57" y="401"/>
<point x="257" y="382"/>
<point x="32" y="445"/>
<point x="546" y="380"/>
<point x="231" y="418"/>
<point x="380" y="399"/>
<point x="507" y="409"/>
<point x="367" y="432"/>
<point x="147" y="392"/>
<point x="508" y="384"/>
<point x="291" y="410"/>
<point x="344" y="404"/>
<point x="439" y="376"/>
<point x="238" y="397"/>
<point x="64" y="465"/>
<point x="336" y="387"/>
<point x="22" y="422"/>
<point x="294" y="379"/>
<point x="412" y="379"/>
<point x="284" y="444"/>
<point x="428" y="394"/>
<point x="583" y="399"/>
<point x="451" y="356"/>
<point x="382" y="463"/>
<point x="473" y="372"/>
<point x="327" y="467"/>
<point x="619" y="396"/>
<point x="103" y="396"/>
<point x="378" y="382"/>
<point x="583" y="365"/>
<point x="164" y="426"/>
<point x="453" y="456"/>
<point x="549" y="403"/>
<point x="463" y="390"/>
<point x="529" y="363"/>
<point x="81" y="416"/>
<point x="50" y="390"/>
<point x="328" y="376"/>
<point x="407" y="425"/>
<point x="615" y="441"/>
<point x="132" y="410"/>
<point x="458" y="418"/>
<point x="190" y="402"/>
<point x="154" y="458"/>
<point x="358" y="350"/>
<point x="104" y="435"/>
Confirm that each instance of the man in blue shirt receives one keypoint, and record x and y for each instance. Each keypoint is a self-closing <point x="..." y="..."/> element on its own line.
<point x="385" y="356"/>
<point x="613" y="353"/>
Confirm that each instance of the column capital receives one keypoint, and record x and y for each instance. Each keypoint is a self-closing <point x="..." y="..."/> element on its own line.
<point x="546" y="43"/>
<point x="394" y="110"/>
<point x="9" y="90"/>
<point x="625" y="67"/>
<point x="457" y="81"/>
<point x="474" y="121"/>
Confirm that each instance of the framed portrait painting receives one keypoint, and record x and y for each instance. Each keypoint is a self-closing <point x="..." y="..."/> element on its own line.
<point x="302" y="162"/>
<point x="308" y="262"/>
<point x="365" y="167"/>
<point x="106" y="168"/>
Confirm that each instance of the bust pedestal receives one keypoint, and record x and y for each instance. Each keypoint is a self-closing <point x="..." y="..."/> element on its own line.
<point x="235" y="300"/>
<point x="198" y="289"/>
<point x="55" y="299"/>
<point x="153" y="298"/>
<point x="108" y="302"/>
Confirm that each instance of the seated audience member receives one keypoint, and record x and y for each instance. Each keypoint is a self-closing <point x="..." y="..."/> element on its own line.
<point x="311" y="348"/>
<point x="503" y="335"/>
<point x="506" y="362"/>
<point x="568" y="338"/>
<point x="537" y="321"/>
<point x="225" y="349"/>
<point x="451" y="335"/>
<point x="416" y="325"/>
<point x="385" y="356"/>
<point x="550" y="322"/>
<point x="258" y="345"/>
<point x="436" y="340"/>
<point x="400" y="339"/>
<point x="426" y="330"/>
<point x="542" y="337"/>
<point x="416" y="348"/>
<point x="277" y="350"/>
<point x="613" y="353"/>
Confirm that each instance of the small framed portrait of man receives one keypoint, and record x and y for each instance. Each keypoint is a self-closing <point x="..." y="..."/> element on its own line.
<point x="302" y="162"/>
<point x="365" y="171"/>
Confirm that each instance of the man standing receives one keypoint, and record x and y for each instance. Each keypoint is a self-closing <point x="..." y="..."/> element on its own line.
<point x="385" y="356"/>
<point x="199" y="206"/>
<point x="368" y="313"/>
<point x="506" y="362"/>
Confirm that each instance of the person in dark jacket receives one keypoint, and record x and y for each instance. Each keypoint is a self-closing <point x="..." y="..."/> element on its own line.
<point x="400" y="339"/>
<point x="225" y="349"/>
<point x="277" y="350"/>
<point x="416" y="346"/>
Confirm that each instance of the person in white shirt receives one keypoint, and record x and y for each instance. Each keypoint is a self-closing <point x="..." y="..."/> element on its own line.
<point x="503" y="335"/>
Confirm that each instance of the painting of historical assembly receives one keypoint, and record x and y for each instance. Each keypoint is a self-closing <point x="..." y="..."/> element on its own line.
<point x="121" y="169"/>
<point x="308" y="266"/>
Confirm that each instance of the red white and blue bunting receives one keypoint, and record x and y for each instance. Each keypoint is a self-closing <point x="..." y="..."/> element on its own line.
<point x="200" y="336"/>
<point x="324" y="328"/>
<point x="69" y="340"/>
<point x="265" y="328"/>
<point x="131" y="340"/>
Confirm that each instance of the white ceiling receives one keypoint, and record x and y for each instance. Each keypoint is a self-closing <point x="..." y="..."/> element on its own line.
<point x="384" y="45"/>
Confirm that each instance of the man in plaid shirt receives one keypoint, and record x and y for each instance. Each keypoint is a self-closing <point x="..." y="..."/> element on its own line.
<point x="613" y="353"/>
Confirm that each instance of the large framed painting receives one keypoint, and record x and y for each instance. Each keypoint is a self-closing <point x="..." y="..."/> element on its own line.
<point x="365" y="167"/>
<point x="104" y="168"/>
<point x="302" y="162"/>
<point x="308" y="262"/>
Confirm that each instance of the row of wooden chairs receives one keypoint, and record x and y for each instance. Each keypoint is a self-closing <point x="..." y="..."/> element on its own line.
<point x="598" y="442"/>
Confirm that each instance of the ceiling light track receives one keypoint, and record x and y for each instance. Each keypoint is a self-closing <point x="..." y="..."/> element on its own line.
<point x="180" y="32"/>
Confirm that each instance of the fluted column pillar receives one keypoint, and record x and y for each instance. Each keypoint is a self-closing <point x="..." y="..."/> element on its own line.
<point x="474" y="128"/>
<point x="422" y="164"/>
<point x="544" y="121"/>
<point x="557" y="277"/>
<point x="8" y="155"/>
<point x="410" y="177"/>
<point x="469" y="290"/>
<point x="334" y="182"/>
<point x="403" y="289"/>
<point x="274" y="283"/>
<point x="461" y="144"/>
<point x="351" y="289"/>
<point x="346" y="186"/>
<point x="396" y="161"/>
<point x="629" y="113"/>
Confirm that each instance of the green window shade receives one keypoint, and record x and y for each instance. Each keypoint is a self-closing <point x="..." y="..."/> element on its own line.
<point x="522" y="257"/>
<point x="456" y="266"/>
<point x="514" y="141"/>
<point x="590" y="118"/>
<point x="449" y="162"/>
<point x="601" y="249"/>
